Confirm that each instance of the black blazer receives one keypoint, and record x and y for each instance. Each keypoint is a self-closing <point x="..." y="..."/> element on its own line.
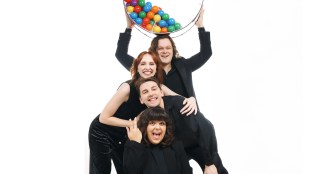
<point x="185" y="67"/>
<point x="139" y="159"/>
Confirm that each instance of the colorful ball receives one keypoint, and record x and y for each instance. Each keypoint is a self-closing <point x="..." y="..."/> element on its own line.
<point x="171" y="21"/>
<point x="134" y="2"/>
<point x="165" y="16"/>
<point x="147" y="8"/>
<point x="171" y="28"/>
<point x="164" y="30"/>
<point x="133" y="15"/>
<point x="142" y="14"/>
<point x="138" y="20"/>
<point x="149" y="27"/>
<point x="156" y="29"/>
<point x="160" y="12"/>
<point x="141" y="3"/>
<point x="155" y="9"/>
<point x="150" y="15"/>
<point x="127" y="1"/>
<point x="148" y="3"/>
<point x="145" y="21"/>
<point x="177" y="26"/>
<point x="152" y="22"/>
<point x="157" y="18"/>
<point x="162" y="23"/>
<point x="129" y="9"/>
<point x="137" y="9"/>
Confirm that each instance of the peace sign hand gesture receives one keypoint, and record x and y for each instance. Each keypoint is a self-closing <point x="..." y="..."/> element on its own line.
<point x="133" y="131"/>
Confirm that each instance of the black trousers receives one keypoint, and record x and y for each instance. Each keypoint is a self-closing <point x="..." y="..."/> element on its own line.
<point x="102" y="150"/>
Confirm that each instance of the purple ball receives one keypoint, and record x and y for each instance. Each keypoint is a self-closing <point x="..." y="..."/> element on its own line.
<point x="134" y="2"/>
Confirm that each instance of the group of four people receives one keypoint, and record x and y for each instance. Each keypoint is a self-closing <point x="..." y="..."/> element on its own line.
<point x="158" y="108"/>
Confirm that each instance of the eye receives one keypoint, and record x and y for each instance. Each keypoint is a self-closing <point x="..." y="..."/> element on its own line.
<point x="162" y="123"/>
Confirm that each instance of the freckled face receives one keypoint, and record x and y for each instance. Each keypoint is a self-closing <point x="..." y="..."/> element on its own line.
<point x="156" y="131"/>
<point x="147" y="66"/>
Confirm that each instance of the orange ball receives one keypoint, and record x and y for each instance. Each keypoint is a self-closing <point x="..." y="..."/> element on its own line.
<point x="150" y="15"/>
<point x="149" y="27"/>
<point x="155" y="9"/>
<point x="164" y="30"/>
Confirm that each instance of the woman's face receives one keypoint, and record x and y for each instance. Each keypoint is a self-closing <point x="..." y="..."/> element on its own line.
<point x="156" y="131"/>
<point x="165" y="51"/>
<point x="147" y="66"/>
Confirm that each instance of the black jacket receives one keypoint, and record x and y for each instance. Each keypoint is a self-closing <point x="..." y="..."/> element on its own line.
<point x="139" y="159"/>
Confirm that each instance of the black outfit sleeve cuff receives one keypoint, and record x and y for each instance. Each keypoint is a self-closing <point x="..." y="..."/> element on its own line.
<point x="201" y="30"/>
<point x="128" y="30"/>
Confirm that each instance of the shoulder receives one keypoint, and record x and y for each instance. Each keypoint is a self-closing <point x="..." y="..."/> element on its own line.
<point x="124" y="88"/>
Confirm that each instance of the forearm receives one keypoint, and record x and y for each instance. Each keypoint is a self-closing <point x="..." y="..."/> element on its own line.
<point x="114" y="121"/>
<point x="122" y="49"/>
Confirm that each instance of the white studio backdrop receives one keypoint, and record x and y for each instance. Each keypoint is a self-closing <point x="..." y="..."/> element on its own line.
<point x="58" y="70"/>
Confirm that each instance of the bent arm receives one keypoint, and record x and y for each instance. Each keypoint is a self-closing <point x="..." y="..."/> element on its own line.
<point x="107" y="114"/>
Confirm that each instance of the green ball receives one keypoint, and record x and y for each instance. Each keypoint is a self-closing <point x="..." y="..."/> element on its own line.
<point x="171" y="28"/>
<point x="152" y="22"/>
<point x="177" y="26"/>
<point x="165" y="16"/>
<point x="141" y="3"/>
<point x="142" y="14"/>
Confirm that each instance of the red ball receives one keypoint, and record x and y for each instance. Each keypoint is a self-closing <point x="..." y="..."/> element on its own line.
<point x="145" y="21"/>
<point x="137" y="9"/>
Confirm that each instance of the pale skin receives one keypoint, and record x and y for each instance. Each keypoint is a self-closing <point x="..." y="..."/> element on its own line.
<point x="146" y="68"/>
<point x="151" y="96"/>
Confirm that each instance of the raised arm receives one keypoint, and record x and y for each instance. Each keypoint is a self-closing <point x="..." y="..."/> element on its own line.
<point x="123" y="44"/>
<point x="199" y="59"/>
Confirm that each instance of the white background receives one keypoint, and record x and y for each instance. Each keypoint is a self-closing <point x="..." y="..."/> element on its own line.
<point x="58" y="70"/>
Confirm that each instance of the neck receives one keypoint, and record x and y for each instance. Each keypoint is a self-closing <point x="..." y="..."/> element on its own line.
<point x="167" y="67"/>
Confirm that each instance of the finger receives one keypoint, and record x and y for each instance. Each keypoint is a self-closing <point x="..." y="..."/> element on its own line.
<point x="185" y="101"/>
<point x="184" y="109"/>
<point x="190" y="112"/>
<point x="127" y="128"/>
<point x="135" y="122"/>
<point x="196" y="110"/>
<point x="187" y="110"/>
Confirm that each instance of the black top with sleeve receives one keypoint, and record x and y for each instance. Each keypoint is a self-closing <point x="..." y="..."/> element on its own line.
<point x="139" y="159"/>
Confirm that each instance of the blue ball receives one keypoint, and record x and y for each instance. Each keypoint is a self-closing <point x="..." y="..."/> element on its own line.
<point x="138" y="20"/>
<point x="147" y="8"/>
<point x="148" y="3"/>
<point x="160" y="12"/>
<point x="171" y="21"/>
<point x="162" y="23"/>
<point x="133" y="15"/>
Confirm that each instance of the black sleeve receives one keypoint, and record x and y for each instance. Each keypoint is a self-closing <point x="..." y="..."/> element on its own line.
<point x="122" y="49"/>
<point x="181" y="154"/>
<point x="205" y="52"/>
<point x="134" y="157"/>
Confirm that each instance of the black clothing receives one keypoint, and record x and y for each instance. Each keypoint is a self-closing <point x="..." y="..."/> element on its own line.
<point x="107" y="142"/>
<point x="139" y="159"/>
<point x="197" y="134"/>
<point x="184" y="67"/>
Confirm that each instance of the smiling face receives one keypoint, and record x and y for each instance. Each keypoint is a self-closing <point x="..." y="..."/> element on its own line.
<point x="165" y="51"/>
<point x="156" y="131"/>
<point x="150" y="94"/>
<point x="147" y="66"/>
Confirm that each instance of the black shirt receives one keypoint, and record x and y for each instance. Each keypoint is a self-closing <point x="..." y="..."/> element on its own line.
<point x="173" y="80"/>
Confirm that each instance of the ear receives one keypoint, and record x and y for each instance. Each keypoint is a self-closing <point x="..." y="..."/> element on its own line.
<point x="162" y="93"/>
<point x="141" y="100"/>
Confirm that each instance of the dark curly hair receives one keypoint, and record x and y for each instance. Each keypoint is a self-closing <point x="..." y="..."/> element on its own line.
<point x="154" y="44"/>
<point x="159" y="114"/>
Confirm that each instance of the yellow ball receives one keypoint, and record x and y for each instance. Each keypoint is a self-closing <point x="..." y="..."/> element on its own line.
<point x="130" y="9"/>
<point x="156" y="29"/>
<point x="157" y="18"/>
